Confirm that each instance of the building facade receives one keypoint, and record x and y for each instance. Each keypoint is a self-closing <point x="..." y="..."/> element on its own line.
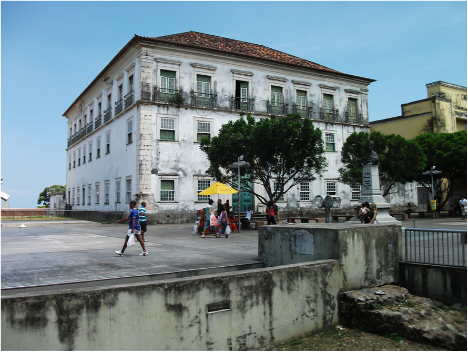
<point x="134" y="132"/>
<point x="443" y="111"/>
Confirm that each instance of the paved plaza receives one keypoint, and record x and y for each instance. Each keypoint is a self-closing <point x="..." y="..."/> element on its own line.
<point x="62" y="252"/>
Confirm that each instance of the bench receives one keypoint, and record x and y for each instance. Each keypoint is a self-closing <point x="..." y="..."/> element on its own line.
<point x="337" y="217"/>
<point x="306" y="220"/>
<point x="404" y="216"/>
<point x="257" y="224"/>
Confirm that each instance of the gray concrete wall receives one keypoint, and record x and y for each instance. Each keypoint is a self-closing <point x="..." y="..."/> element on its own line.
<point x="368" y="254"/>
<point x="250" y="309"/>
<point x="441" y="283"/>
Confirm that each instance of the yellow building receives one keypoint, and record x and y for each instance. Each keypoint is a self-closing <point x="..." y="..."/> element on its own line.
<point x="444" y="110"/>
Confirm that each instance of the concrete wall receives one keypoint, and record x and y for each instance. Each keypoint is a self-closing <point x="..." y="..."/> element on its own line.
<point x="236" y="311"/>
<point x="441" y="283"/>
<point x="368" y="255"/>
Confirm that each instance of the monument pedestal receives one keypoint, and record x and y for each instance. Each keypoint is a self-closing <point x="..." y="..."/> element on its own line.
<point x="371" y="193"/>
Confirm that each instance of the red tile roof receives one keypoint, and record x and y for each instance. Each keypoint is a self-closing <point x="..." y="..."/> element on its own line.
<point x="237" y="47"/>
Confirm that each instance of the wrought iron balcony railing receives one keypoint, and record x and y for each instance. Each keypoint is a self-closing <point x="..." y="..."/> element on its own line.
<point x="83" y="132"/>
<point x="167" y="95"/>
<point x="354" y="118"/>
<point x="107" y="114"/>
<point x="329" y="114"/>
<point x="97" y="121"/>
<point x="239" y="104"/>
<point x="118" y="107"/>
<point x="89" y="128"/>
<point x="304" y="111"/>
<point x="277" y="108"/>
<point x="203" y="100"/>
<point x="128" y="99"/>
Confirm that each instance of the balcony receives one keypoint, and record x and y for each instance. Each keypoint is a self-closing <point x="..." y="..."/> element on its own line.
<point x="89" y="128"/>
<point x="107" y="114"/>
<point x="329" y="114"/>
<point x="167" y="96"/>
<point x="118" y="107"/>
<point x="238" y="104"/>
<point x="204" y="100"/>
<point x="354" y="118"/>
<point x="97" y="121"/>
<point x="277" y="108"/>
<point x="128" y="99"/>
<point x="304" y="111"/>
<point x="83" y="132"/>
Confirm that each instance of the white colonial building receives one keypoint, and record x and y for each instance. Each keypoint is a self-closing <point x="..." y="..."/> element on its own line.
<point x="134" y="132"/>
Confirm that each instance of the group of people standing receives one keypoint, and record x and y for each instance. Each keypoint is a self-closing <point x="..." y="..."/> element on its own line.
<point x="368" y="213"/>
<point x="272" y="213"/>
<point x="224" y="214"/>
<point x="137" y="226"/>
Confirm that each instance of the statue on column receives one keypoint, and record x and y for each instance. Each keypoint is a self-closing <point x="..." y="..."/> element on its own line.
<point x="371" y="157"/>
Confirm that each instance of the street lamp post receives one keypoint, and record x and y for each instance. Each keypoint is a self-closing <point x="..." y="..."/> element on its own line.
<point x="432" y="172"/>
<point x="240" y="163"/>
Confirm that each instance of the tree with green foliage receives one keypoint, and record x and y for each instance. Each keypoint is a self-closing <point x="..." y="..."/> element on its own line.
<point x="44" y="196"/>
<point x="447" y="152"/>
<point x="400" y="160"/>
<point x="288" y="149"/>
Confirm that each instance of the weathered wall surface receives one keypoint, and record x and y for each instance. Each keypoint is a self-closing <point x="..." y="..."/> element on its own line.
<point x="441" y="283"/>
<point x="235" y="311"/>
<point x="368" y="254"/>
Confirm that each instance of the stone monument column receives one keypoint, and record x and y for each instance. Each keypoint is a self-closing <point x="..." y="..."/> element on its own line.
<point x="371" y="188"/>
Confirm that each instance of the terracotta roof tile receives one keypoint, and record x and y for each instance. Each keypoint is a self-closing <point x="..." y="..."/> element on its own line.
<point x="237" y="47"/>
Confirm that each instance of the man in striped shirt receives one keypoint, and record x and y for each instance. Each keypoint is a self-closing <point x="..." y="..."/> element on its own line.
<point x="143" y="219"/>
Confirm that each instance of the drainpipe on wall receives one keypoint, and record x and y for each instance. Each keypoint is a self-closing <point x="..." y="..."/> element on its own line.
<point x="451" y="116"/>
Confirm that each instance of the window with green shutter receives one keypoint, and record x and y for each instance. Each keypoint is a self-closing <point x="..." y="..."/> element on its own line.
<point x="301" y="102"/>
<point x="352" y="110"/>
<point x="203" y="130"/>
<point x="329" y="142"/>
<point x="203" y="90"/>
<point x="168" y="86"/>
<point x="328" y="107"/>
<point x="276" y="100"/>
<point x="167" y="191"/>
<point x="167" y="130"/>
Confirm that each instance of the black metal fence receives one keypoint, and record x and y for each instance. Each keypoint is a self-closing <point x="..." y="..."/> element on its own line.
<point x="434" y="246"/>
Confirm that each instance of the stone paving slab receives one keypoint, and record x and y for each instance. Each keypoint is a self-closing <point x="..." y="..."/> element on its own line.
<point x="55" y="253"/>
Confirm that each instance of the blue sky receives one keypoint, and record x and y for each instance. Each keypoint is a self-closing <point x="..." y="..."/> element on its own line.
<point x="51" y="51"/>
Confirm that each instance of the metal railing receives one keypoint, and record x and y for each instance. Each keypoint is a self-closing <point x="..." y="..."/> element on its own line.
<point x="107" y="114"/>
<point x="242" y="105"/>
<point x="118" y="106"/>
<point x="128" y="99"/>
<point x="354" y="118"/>
<point x="304" y="111"/>
<point x="166" y="95"/>
<point x="329" y="114"/>
<point x="277" y="108"/>
<point x="204" y="100"/>
<point x="434" y="246"/>
<point x="97" y="121"/>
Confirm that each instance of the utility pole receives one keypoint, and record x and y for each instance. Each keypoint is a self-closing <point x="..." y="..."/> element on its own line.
<point x="240" y="163"/>
<point x="432" y="172"/>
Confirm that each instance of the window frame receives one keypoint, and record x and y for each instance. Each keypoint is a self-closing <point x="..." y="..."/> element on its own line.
<point x="128" y="191"/>
<point x="328" y="189"/>
<point x="175" y="180"/>
<point x="196" y="187"/>
<point x="130" y="133"/>
<point x="83" y="195"/>
<point x="98" y="147"/>
<point x="90" y="146"/>
<point x="300" y="191"/>
<point x="160" y="128"/>
<point x="84" y="153"/>
<point x="108" y="142"/>
<point x="89" y="194"/>
<point x="198" y="120"/>
<point x="97" y="193"/>
<point x="326" y="143"/>
<point x="354" y="192"/>
<point x="118" y="189"/>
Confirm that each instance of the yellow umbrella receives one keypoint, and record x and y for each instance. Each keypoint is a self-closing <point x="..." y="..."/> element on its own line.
<point x="218" y="188"/>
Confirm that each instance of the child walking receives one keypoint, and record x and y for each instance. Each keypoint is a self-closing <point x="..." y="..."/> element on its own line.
<point x="133" y="227"/>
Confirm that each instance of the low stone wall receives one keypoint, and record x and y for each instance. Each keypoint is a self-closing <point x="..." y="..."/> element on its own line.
<point x="233" y="311"/>
<point x="368" y="254"/>
<point x="441" y="283"/>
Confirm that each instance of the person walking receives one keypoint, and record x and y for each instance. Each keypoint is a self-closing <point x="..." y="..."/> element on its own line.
<point x="133" y="228"/>
<point x="207" y="211"/>
<point x="223" y="219"/>
<point x="143" y="220"/>
<point x="275" y="207"/>
<point x="463" y="208"/>
<point x="270" y="213"/>
<point x="374" y="213"/>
